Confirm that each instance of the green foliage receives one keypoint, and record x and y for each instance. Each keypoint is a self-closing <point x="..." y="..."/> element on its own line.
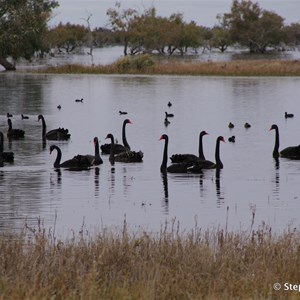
<point x="135" y="63"/>
<point x="22" y="27"/>
<point x="253" y="27"/>
<point x="292" y="34"/>
<point x="68" y="36"/>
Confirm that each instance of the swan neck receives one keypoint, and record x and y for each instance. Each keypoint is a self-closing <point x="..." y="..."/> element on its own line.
<point x="125" y="143"/>
<point x="43" y="126"/>
<point x="276" y="146"/>
<point x="58" y="158"/>
<point x="217" y="155"/>
<point x="201" y="154"/>
<point x="112" y="151"/>
<point x="1" y="142"/>
<point x="9" y="124"/>
<point x="97" y="152"/>
<point x="163" y="166"/>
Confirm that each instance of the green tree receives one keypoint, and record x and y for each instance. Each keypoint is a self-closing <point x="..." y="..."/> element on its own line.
<point x="120" y="22"/>
<point x="68" y="37"/>
<point x="23" y="25"/>
<point x="221" y="37"/>
<point x="254" y="27"/>
<point x="292" y="35"/>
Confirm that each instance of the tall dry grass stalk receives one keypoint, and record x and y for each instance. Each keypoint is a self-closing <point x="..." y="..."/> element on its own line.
<point x="148" y="67"/>
<point x="169" y="264"/>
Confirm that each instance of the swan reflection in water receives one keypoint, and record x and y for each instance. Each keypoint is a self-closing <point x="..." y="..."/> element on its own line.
<point x="56" y="179"/>
<point x="220" y="196"/>
<point x="96" y="181"/>
<point x="165" y="203"/>
<point x="276" y="180"/>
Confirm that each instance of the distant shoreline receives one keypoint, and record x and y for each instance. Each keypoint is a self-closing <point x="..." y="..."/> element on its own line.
<point x="144" y="65"/>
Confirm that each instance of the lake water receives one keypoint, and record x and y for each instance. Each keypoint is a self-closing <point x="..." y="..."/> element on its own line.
<point x="250" y="182"/>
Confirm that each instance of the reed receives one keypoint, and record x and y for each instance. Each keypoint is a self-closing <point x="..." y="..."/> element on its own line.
<point x="169" y="264"/>
<point x="148" y="66"/>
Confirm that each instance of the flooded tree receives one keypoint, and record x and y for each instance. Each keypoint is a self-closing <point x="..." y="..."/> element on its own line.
<point x="23" y="24"/>
<point x="254" y="27"/>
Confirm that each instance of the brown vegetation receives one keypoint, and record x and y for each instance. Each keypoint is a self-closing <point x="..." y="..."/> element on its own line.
<point x="147" y="66"/>
<point x="170" y="264"/>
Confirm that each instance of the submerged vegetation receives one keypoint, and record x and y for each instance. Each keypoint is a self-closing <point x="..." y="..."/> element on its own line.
<point x="147" y="65"/>
<point x="169" y="264"/>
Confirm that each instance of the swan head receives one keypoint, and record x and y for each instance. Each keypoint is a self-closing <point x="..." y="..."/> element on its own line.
<point x="274" y="126"/>
<point x="164" y="137"/>
<point x="52" y="147"/>
<point x="110" y="136"/>
<point x="202" y="133"/>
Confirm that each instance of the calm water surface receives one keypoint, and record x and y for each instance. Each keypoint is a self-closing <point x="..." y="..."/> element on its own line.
<point x="250" y="182"/>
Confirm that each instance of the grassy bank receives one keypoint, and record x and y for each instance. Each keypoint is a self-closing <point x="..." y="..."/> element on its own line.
<point x="210" y="264"/>
<point x="145" y="64"/>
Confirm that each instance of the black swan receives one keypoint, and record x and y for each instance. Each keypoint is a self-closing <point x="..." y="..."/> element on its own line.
<point x="292" y="152"/>
<point x="14" y="133"/>
<point x="126" y="156"/>
<point x="247" y="125"/>
<point x="231" y="125"/>
<point x="58" y="134"/>
<point x="206" y="164"/>
<point x="174" y="168"/>
<point x="59" y="106"/>
<point x="169" y="104"/>
<point x="231" y="139"/>
<point x="167" y="122"/>
<point x="286" y="115"/>
<point x="118" y="147"/>
<point x="169" y="115"/>
<point x="79" y="100"/>
<point x="122" y="112"/>
<point x="78" y="162"/>
<point x="96" y="159"/>
<point x="5" y="156"/>
<point x="9" y="115"/>
<point x="178" y="158"/>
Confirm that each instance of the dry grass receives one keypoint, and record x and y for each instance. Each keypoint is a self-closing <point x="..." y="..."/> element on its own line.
<point x="170" y="264"/>
<point x="140" y="65"/>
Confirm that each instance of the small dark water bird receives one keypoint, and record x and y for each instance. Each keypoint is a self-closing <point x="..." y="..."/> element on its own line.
<point x="286" y="115"/>
<point x="58" y="134"/>
<point x="78" y="162"/>
<point x="166" y="121"/>
<point x="79" y="100"/>
<point x="247" y="125"/>
<point x="9" y="115"/>
<point x="169" y="104"/>
<point x="122" y="112"/>
<point x="169" y="115"/>
<point x="231" y="125"/>
<point x="59" y="106"/>
<point x="231" y="139"/>
<point x="24" y="117"/>
<point x="292" y="152"/>
<point x="14" y="133"/>
<point x="5" y="156"/>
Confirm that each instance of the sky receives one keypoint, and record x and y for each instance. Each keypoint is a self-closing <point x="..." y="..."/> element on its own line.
<point x="203" y="12"/>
